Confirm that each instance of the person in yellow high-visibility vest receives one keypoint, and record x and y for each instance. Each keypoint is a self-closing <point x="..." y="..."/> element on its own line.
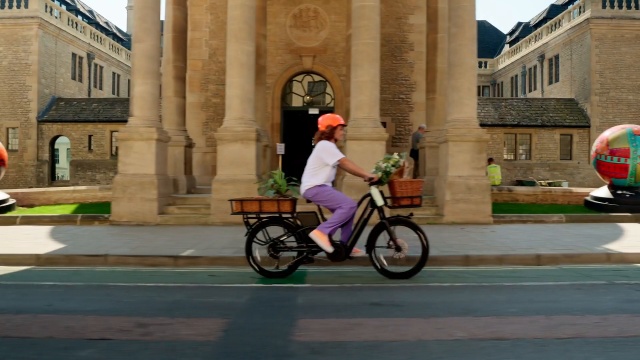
<point x="494" y="172"/>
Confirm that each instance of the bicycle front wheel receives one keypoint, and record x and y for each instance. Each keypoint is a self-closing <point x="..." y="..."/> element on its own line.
<point x="270" y="248"/>
<point x="400" y="251"/>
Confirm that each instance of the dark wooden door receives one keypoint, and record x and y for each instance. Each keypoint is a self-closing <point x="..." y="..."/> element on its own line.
<point x="298" y="129"/>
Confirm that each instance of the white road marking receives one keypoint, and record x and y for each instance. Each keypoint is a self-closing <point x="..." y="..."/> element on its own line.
<point x="309" y="269"/>
<point x="560" y="283"/>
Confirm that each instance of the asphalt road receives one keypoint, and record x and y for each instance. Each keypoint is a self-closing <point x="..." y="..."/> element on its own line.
<point x="486" y="313"/>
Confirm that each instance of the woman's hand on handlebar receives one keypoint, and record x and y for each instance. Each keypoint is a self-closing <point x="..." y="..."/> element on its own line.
<point x="372" y="179"/>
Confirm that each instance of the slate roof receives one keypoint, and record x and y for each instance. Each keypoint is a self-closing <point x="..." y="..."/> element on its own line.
<point x="547" y="14"/>
<point x="98" y="21"/>
<point x="523" y="29"/>
<point x="490" y="40"/>
<point x="66" y="110"/>
<point x="531" y="112"/>
<point x="519" y="31"/>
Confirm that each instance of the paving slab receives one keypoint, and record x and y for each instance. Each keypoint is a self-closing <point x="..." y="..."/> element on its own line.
<point x="187" y="246"/>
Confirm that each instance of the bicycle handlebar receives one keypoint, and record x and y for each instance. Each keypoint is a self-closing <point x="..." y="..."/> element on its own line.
<point x="371" y="182"/>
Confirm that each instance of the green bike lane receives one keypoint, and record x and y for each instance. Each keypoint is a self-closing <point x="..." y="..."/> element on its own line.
<point x="357" y="276"/>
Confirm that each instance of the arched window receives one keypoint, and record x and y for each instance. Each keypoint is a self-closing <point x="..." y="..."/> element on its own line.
<point x="308" y="90"/>
<point x="60" y="159"/>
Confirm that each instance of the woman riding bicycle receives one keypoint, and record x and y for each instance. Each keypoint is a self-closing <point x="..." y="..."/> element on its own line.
<point x="317" y="178"/>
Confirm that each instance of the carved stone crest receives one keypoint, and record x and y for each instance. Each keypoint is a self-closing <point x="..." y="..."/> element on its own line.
<point x="308" y="25"/>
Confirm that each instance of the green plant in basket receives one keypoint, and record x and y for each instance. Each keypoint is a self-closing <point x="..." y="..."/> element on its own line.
<point x="388" y="166"/>
<point x="276" y="184"/>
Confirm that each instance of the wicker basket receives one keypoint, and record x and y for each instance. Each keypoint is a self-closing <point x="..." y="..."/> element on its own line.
<point x="263" y="205"/>
<point x="406" y="192"/>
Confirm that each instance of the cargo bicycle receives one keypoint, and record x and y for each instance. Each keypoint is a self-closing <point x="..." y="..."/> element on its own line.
<point x="277" y="243"/>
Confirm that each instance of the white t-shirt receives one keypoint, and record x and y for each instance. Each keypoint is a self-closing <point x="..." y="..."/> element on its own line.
<point x="321" y="166"/>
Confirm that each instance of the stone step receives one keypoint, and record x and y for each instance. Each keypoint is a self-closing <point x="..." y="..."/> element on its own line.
<point x="190" y="199"/>
<point x="429" y="201"/>
<point x="421" y="211"/>
<point x="428" y="219"/>
<point x="187" y="210"/>
<point x="174" y="219"/>
<point x="201" y="190"/>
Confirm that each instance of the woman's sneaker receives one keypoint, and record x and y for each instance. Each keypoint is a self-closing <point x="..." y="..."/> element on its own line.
<point x="322" y="240"/>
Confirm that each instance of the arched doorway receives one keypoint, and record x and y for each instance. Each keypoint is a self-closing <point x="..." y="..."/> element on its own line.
<point x="60" y="159"/>
<point x="305" y="97"/>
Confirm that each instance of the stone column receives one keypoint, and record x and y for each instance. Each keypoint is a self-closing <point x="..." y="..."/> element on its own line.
<point x="366" y="138"/>
<point x="130" y="16"/>
<point x="174" y="73"/>
<point x="462" y="188"/>
<point x="540" y="60"/>
<point x="237" y="139"/>
<point x="141" y="188"/>
<point x="525" y="80"/>
<point x="437" y="82"/>
<point x="198" y="43"/>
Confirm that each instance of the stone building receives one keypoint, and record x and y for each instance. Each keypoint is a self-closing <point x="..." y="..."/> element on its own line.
<point x="53" y="49"/>
<point x="228" y="99"/>
<point x="582" y="50"/>
<point x="239" y="77"/>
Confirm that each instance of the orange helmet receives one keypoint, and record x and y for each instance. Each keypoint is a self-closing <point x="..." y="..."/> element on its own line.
<point x="331" y="119"/>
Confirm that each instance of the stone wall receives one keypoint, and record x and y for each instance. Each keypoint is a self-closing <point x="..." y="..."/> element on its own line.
<point x="56" y="49"/>
<point x="88" y="167"/>
<point x="36" y="49"/>
<point x="62" y="34"/>
<point x="90" y="194"/>
<point x="574" y="50"/>
<point x="403" y="60"/>
<point x="18" y="79"/>
<point x="539" y="195"/>
<point x="545" y="163"/>
<point x="61" y="195"/>
<point x="212" y="76"/>
<point x="284" y="53"/>
<point x="616" y="75"/>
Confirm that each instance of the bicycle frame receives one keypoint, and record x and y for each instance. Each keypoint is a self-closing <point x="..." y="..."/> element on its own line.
<point x="365" y="216"/>
<point x="311" y="248"/>
<point x="295" y="238"/>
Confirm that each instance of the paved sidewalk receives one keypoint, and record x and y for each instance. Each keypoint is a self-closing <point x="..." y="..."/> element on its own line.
<point x="180" y="246"/>
<point x="94" y="219"/>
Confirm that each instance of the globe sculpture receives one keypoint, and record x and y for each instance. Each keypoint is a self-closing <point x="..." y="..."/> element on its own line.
<point x="6" y="203"/>
<point x="4" y="160"/>
<point x="615" y="156"/>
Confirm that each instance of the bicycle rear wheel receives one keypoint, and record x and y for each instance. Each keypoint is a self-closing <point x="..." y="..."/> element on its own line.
<point x="267" y="248"/>
<point x="400" y="259"/>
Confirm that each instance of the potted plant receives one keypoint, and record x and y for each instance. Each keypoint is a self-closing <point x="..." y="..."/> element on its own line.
<point x="277" y="185"/>
<point x="277" y="195"/>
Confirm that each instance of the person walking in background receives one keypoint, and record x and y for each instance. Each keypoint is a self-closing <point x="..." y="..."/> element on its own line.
<point x="494" y="172"/>
<point x="414" y="153"/>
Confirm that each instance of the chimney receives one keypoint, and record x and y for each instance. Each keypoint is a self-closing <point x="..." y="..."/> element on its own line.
<point x="130" y="17"/>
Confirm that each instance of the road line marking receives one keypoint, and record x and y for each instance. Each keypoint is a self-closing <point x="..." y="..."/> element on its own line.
<point x="36" y="326"/>
<point x="559" y="283"/>
<point x="468" y="328"/>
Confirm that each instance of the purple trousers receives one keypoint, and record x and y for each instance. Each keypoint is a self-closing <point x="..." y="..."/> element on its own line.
<point x="342" y="207"/>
